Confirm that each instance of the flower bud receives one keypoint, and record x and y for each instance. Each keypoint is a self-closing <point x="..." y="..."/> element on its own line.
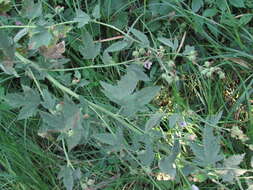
<point x="135" y="53"/>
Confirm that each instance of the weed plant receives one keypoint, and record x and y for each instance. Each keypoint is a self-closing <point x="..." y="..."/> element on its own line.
<point x="126" y="94"/>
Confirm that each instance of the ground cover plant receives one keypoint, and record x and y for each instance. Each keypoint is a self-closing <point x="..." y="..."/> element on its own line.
<point x="126" y="94"/>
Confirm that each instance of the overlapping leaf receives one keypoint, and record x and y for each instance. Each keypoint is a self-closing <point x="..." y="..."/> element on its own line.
<point x="30" y="9"/>
<point x="40" y="36"/>
<point x="207" y="154"/>
<point x="28" y="101"/>
<point x="147" y="156"/>
<point x="141" y="37"/>
<point x="231" y="168"/>
<point x="67" y="121"/>
<point x="81" y="18"/>
<point x="153" y="121"/>
<point x="89" y="49"/>
<point x="123" y="93"/>
<point x="167" y="164"/>
<point x="68" y="175"/>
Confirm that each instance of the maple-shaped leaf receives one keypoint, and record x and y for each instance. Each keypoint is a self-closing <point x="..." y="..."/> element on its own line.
<point x="147" y="156"/>
<point x="49" y="100"/>
<point x="124" y="88"/>
<point x="81" y="18"/>
<point x="123" y="93"/>
<point x="7" y="45"/>
<point x="207" y="154"/>
<point x="40" y="36"/>
<point x="231" y="169"/>
<point x="67" y="175"/>
<point x="138" y="100"/>
<point x="113" y="142"/>
<point x="153" y="121"/>
<point x="28" y="101"/>
<point x="167" y="164"/>
<point x="213" y="120"/>
<point x="68" y="121"/>
<point x="89" y="49"/>
<point x="30" y="9"/>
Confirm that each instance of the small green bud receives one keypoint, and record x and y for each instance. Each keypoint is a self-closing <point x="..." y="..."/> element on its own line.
<point x="70" y="133"/>
<point x="222" y="75"/>
<point x="58" y="9"/>
<point x="207" y="64"/>
<point x="183" y="25"/>
<point x="201" y="68"/>
<point x="171" y="63"/>
<point x="204" y="71"/>
<point x="135" y="53"/>
<point x="192" y="56"/>
<point x="75" y="81"/>
<point x="59" y="107"/>
<point x="161" y="47"/>
<point x="169" y="79"/>
<point x="142" y="51"/>
<point x="209" y="74"/>
<point x="212" y="69"/>
<point x="176" y="78"/>
<point x="91" y="182"/>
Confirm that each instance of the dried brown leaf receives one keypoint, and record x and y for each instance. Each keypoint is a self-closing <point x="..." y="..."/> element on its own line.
<point x="53" y="51"/>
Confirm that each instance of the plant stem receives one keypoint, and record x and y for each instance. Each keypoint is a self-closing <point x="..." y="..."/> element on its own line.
<point x="69" y="164"/>
<point x="77" y="96"/>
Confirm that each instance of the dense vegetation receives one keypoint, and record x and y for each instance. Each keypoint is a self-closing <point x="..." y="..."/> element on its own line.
<point x="126" y="94"/>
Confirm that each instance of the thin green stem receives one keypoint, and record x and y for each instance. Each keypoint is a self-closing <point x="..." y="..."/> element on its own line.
<point x="69" y="164"/>
<point x="77" y="96"/>
<point x="34" y="26"/>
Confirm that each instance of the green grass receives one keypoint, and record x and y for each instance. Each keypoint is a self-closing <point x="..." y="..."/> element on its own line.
<point x="24" y="162"/>
<point x="61" y="128"/>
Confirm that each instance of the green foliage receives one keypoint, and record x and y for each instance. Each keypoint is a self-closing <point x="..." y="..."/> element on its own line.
<point x="7" y="50"/>
<point x="29" y="100"/>
<point x="40" y="36"/>
<point x="81" y="18"/>
<point x="169" y="43"/>
<point x="117" y="46"/>
<point x="30" y="9"/>
<point x="48" y="100"/>
<point x="196" y="5"/>
<point x="141" y="37"/>
<point x="119" y="94"/>
<point x="68" y="175"/>
<point x="207" y="154"/>
<point x="231" y="168"/>
<point x="96" y="12"/>
<point x="108" y="138"/>
<point x="153" y="121"/>
<point x="89" y="49"/>
<point x="4" y="6"/>
<point x="123" y="93"/>
<point x="167" y="165"/>
<point x="237" y="3"/>
<point x="67" y="121"/>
